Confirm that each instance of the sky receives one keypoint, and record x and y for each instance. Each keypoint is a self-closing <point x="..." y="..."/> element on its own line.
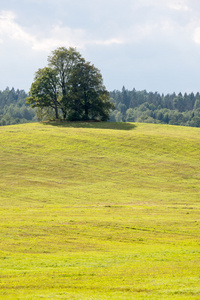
<point x="151" y="45"/>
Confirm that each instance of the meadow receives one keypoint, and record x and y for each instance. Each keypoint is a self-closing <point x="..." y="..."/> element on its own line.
<point x="97" y="211"/>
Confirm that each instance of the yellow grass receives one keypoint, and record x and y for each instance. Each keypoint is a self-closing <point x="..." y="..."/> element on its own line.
<point x="99" y="211"/>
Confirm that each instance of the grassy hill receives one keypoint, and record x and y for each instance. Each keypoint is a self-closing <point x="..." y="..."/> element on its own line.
<point x="99" y="211"/>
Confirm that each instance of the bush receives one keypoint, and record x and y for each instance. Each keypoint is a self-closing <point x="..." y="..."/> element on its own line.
<point x="74" y="116"/>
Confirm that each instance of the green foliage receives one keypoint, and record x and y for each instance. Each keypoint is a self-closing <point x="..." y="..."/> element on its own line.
<point x="99" y="211"/>
<point x="64" y="61"/>
<point x="45" y="113"/>
<point x="44" y="90"/>
<point x="13" y="108"/>
<point x="89" y="97"/>
<point x="72" y="86"/>
<point x="141" y="106"/>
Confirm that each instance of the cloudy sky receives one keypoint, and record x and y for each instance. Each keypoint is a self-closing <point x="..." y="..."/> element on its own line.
<point x="142" y="44"/>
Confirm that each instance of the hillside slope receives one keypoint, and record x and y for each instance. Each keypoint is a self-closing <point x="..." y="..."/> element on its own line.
<point x="99" y="211"/>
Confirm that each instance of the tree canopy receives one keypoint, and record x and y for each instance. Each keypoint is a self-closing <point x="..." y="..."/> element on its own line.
<point x="70" y="86"/>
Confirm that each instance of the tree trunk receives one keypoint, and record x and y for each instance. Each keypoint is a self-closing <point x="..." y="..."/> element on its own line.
<point x="56" y="107"/>
<point x="64" y="113"/>
<point x="56" y="111"/>
<point x="86" y="105"/>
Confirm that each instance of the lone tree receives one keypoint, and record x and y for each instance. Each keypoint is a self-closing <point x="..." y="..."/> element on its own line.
<point x="72" y="87"/>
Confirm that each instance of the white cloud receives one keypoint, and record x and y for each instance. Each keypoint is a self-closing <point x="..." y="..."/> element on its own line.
<point x="9" y="29"/>
<point x="58" y="35"/>
<point x="179" y="5"/>
<point x="109" y="42"/>
<point x="158" y="4"/>
<point x="196" y="35"/>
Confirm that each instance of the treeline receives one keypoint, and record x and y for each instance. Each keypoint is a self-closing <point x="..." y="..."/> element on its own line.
<point x="149" y="107"/>
<point x="130" y="106"/>
<point x="13" y="108"/>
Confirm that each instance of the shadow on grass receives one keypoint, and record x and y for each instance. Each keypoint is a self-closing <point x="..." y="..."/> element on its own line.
<point x="95" y="125"/>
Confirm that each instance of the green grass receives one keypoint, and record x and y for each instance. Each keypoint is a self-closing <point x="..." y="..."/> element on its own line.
<point x="95" y="211"/>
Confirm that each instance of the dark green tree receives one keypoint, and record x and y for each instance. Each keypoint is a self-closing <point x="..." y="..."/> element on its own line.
<point x="72" y="86"/>
<point x="64" y="61"/>
<point x="44" y="90"/>
<point x="89" y="97"/>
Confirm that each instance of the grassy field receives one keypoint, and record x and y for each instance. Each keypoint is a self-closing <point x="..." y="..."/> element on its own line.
<point x="97" y="211"/>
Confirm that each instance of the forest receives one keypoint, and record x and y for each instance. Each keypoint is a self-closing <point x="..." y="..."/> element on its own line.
<point x="130" y="106"/>
<point x="149" y="107"/>
<point x="13" y="108"/>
